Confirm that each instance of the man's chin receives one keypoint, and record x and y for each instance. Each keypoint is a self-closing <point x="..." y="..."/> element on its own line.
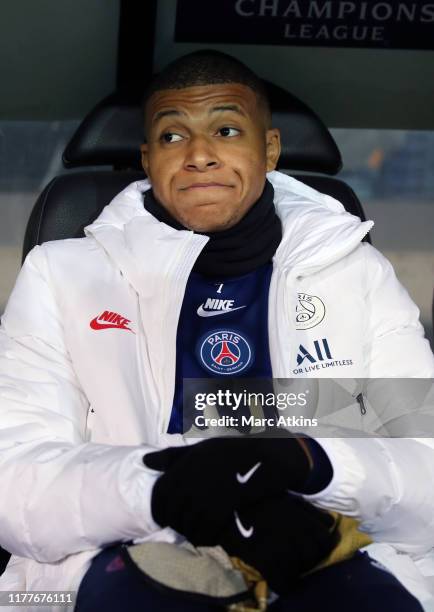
<point x="206" y="226"/>
<point x="209" y="217"/>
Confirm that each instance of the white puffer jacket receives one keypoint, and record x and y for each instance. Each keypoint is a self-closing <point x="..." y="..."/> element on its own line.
<point x="80" y="406"/>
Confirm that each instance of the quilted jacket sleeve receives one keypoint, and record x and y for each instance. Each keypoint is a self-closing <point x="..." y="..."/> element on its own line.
<point x="60" y="495"/>
<point x="387" y="483"/>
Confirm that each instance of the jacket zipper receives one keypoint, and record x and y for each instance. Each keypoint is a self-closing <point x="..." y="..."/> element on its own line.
<point x="184" y="263"/>
<point x="361" y="402"/>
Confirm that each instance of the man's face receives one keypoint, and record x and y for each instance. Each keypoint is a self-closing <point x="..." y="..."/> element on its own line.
<point x="207" y="153"/>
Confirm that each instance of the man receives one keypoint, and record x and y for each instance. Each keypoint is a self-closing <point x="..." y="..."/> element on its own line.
<point x="93" y="357"/>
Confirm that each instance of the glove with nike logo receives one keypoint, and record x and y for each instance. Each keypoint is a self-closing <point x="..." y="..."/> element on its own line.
<point x="203" y="484"/>
<point x="282" y="537"/>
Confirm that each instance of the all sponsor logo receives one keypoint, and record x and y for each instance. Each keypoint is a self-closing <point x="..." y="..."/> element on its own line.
<point x="225" y="352"/>
<point x="321" y="352"/>
<point x="309" y="312"/>
<point x="316" y="357"/>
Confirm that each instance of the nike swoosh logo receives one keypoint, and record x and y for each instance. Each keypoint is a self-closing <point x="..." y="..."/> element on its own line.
<point x="243" y="479"/>
<point x="213" y="313"/>
<point x="95" y="325"/>
<point x="246" y="533"/>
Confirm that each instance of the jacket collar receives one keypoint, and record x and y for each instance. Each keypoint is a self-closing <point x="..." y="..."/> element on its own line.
<point x="317" y="230"/>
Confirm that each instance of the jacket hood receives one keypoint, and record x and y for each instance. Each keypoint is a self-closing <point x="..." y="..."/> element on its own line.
<point x="317" y="229"/>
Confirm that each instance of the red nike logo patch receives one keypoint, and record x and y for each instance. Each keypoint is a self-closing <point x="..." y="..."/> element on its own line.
<point x="110" y="320"/>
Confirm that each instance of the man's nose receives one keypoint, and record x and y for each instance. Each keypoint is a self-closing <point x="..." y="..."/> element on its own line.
<point x="201" y="155"/>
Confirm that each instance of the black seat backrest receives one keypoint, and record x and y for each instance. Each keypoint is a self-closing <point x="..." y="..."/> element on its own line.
<point x="112" y="133"/>
<point x="72" y="201"/>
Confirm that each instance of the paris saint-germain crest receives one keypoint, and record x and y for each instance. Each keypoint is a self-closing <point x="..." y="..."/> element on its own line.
<point x="225" y="352"/>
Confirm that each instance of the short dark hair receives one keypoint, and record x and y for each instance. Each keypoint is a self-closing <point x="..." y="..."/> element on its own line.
<point x="208" y="67"/>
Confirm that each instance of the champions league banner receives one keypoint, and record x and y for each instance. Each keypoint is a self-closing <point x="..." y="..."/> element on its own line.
<point x="393" y="24"/>
<point x="318" y="407"/>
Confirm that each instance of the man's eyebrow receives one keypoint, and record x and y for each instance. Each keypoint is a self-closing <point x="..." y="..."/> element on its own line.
<point x="228" y="107"/>
<point x="172" y="112"/>
<point x="166" y="113"/>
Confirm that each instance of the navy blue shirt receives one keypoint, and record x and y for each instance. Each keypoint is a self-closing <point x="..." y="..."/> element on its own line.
<point x="222" y="331"/>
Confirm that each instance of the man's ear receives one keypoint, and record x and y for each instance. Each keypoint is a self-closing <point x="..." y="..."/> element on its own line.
<point x="273" y="148"/>
<point x="145" y="157"/>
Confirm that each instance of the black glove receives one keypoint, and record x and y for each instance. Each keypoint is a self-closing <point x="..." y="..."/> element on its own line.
<point x="282" y="537"/>
<point x="204" y="483"/>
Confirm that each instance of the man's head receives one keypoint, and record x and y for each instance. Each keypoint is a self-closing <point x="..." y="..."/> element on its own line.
<point x="209" y="140"/>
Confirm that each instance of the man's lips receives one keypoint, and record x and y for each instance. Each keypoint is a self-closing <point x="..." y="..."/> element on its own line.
<point x="204" y="186"/>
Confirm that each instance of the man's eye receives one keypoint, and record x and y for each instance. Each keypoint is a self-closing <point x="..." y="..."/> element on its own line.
<point x="228" y="131"/>
<point x="171" y="137"/>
